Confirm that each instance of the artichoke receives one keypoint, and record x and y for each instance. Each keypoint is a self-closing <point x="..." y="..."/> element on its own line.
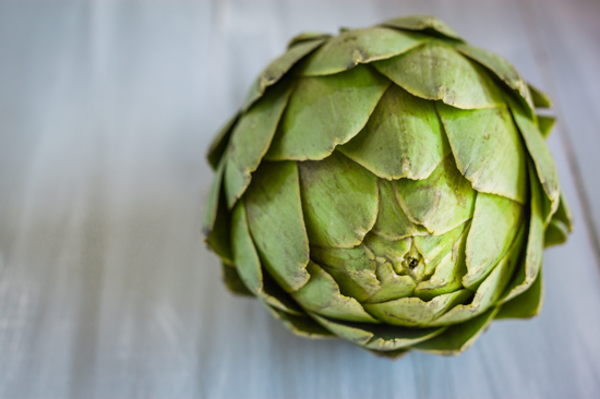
<point x="390" y="186"/>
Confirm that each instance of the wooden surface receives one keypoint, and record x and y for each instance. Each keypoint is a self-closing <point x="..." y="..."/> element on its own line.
<point x="106" y="290"/>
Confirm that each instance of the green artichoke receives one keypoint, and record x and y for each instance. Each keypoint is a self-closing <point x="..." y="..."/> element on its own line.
<point x="390" y="186"/>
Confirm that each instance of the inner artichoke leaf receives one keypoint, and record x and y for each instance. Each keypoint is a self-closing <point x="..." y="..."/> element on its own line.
<point x="413" y="311"/>
<point x="501" y="68"/>
<point x="303" y="326"/>
<point x="278" y="68"/>
<point x="436" y="71"/>
<point x="322" y="295"/>
<point x="325" y="111"/>
<point x="340" y="200"/>
<point x="274" y="212"/>
<point x="542" y="158"/>
<point x="379" y="337"/>
<point x="422" y="23"/>
<point x="403" y="138"/>
<point x="440" y="202"/>
<point x="252" y="137"/>
<point x="495" y="225"/>
<point x="249" y="269"/>
<point x="530" y="266"/>
<point x="491" y="289"/>
<point x="459" y="337"/>
<point x="488" y="150"/>
<point x="525" y="305"/>
<point x="216" y="218"/>
<point x="354" y="269"/>
<point x="448" y="272"/>
<point x="359" y="46"/>
<point x="392" y="223"/>
<point x="434" y="249"/>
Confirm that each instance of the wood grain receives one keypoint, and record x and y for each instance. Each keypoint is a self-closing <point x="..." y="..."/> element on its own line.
<point x="106" y="290"/>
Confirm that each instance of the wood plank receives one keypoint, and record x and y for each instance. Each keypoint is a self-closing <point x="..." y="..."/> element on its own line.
<point x="105" y="288"/>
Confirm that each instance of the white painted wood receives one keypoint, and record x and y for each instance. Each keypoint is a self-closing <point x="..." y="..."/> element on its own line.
<point x="105" y="288"/>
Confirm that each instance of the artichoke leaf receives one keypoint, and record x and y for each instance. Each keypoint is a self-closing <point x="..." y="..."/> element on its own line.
<point x="216" y="218"/>
<point x="321" y="295"/>
<point x="251" y="139"/>
<point x="440" y="202"/>
<point x="274" y="213"/>
<point x="501" y="68"/>
<point x="436" y="71"/>
<point x="458" y="338"/>
<point x="542" y="158"/>
<point x="249" y="269"/>
<point x="279" y="67"/>
<point x="560" y="225"/>
<point x="545" y="123"/>
<point x="422" y="23"/>
<point x="233" y="282"/>
<point x="488" y="150"/>
<point x="490" y="290"/>
<point x="496" y="222"/>
<point x="532" y="262"/>
<point x="325" y="111"/>
<point x="378" y="337"/>
<point x="303" y="326"/>
<point x="414" y="312"/>
<point x="219" y="143"/>
<point x="540" y="99"/>
<point x="359" y="46"/>
<point x="340" y="200"/>
<point x="525" y="305"/>
<point x="392" y="223"/>
<point x="306" y="37"/>
<point x="435" y="248"/>
<point x="403" y="138"/>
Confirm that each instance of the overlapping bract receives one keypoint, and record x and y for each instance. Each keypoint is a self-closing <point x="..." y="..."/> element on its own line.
<point x="390" y="186"/>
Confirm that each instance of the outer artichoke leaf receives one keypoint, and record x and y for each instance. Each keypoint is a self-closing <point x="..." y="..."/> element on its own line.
<point x="501" y="68"/>
<point x="278" y="67"/>
<point x="436" y="71"/>
<point x="540" y="99"/>
<point x="495" y="225"/>
<point x="560" y="225"/>
<point x="526" y="305"/>
<point x="216" y="218"/>
<point x="393" y="355"/>
<point x="274" y="212"/>
<point x="458" y="338"/>
<point x="252" y="137"/>
<point x="488" y="150"/>
<point x="530" y="265"/>
<point x="425" y="23"/>
<point x="340" y="200"/>
<point x="322" y="296"/>
<point x="233" y="282"/>
<point x="414" y="312"/>
<point x="303" y="326"/>
<point x="378" y="337"/>
<point x="392" y="223"/>
<point x="542" y="158"/>
<point x="435" y="248"/>
<point x="219" y="144"/>
<point x="325" y="111"/>
<point x="359" y="46"/>
<point x="546" y="123"/>
<point x="249" y="269"/>
<point x="354" y="269"/>
<point x="305" y="37"/>
<point x="403" y="138"/>
<point x="440" y="202"/>
<point x="490" y="291"/>
<point x="448" y="272"/>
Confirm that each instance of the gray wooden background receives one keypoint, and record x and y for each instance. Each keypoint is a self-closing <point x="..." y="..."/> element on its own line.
<point x="106" y="291"/>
